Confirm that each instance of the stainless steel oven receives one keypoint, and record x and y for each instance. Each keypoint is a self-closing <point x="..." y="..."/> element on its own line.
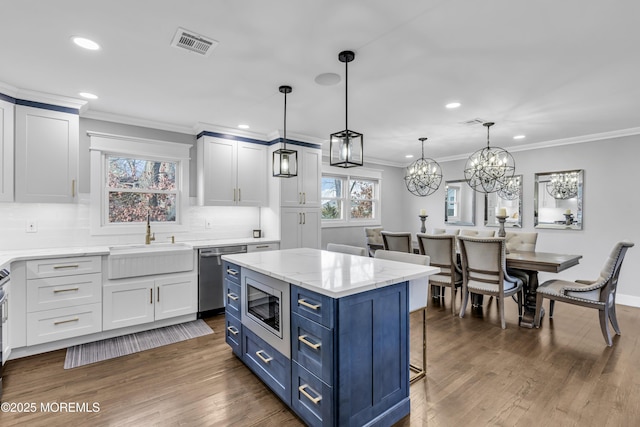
<point x="4" y="316"/>
<point x="266" y="309"/>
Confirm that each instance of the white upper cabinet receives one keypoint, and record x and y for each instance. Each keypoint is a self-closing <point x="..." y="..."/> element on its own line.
<point x="303" y="190"/>
<point x="6" y="151"/>
<point x="231" y="173"/>
<point x="46" y="155"/>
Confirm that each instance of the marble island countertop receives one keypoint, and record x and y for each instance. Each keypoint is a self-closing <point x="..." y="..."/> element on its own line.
<point x="330" y="273"/>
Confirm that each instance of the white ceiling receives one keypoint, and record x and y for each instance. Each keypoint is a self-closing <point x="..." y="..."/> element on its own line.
<point x="548" y="69"/>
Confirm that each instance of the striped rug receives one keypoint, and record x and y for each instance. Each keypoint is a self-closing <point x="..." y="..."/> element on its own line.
<point x="98" y="351"/>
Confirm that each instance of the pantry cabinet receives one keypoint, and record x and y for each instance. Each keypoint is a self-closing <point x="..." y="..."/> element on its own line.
<point x="300" y="228"/>
<point x="46" y="155"/>
<point x="304" y="189"/>
<point x="231" y="172"/>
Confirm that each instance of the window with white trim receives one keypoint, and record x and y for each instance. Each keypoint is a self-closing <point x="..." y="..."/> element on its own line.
<point x="349" y="200"/>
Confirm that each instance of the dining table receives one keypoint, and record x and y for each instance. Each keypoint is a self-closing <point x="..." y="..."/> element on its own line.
<point x="532" y="263"/>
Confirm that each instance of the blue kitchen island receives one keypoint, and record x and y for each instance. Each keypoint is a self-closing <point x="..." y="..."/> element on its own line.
<point x="327" y="332"/>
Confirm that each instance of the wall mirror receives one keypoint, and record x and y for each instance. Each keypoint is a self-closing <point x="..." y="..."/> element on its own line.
<point x="558" y="199"/>
<point x="510" y="199"/>
<point x="460" y="203"/>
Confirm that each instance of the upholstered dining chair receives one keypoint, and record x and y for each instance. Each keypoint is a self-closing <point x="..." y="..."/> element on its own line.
<point x="484" y="272"/>
<point x="520" y="241"/>
<point x="346" y="249"/>
<point x="441" y="248"/>
<point x="417" y="302"/>
<point x="397" y="241"/>
<point x="477" y="233"/>
<point x="373" y="239"/>
<point x="453" y="231"/>
<point x="599" y="294"/>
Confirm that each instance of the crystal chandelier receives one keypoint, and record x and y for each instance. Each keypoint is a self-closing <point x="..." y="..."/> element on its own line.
<point x="423" y="177"/>
<point x="563" y="185"/>
<point x="285" y="161"/>
<point x="489" y="169"/>
<point x="345" y="147"/>
<point x="511" y="189"/>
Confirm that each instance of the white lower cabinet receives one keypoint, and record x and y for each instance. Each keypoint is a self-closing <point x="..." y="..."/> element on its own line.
<point x="68" y="322"/>
<point x="299" y="228"/>
<point x="129" y="302"/>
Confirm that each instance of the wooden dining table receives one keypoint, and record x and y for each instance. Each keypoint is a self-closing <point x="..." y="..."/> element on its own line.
<point x="532" y="263"/>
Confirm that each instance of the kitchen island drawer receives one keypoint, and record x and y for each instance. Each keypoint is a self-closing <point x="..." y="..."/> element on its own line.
<point x="53" y="267"/>
<point x="233" y="334"/>
<point x="313" y="306"/>
<point x="62" y="323"/>
<point x="65" y="291"/>
<point x="273" y="368"/>
<point x="232" y="272"/>
<point x="311" y="398"/>
<point x="312" y="347"/>
<point x="232" y="298"/>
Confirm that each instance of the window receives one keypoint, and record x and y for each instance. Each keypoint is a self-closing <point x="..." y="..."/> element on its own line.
<point x="349" y="200"/>
<point x="134" y="179"/>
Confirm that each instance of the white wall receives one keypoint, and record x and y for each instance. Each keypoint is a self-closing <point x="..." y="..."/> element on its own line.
<point x="611" y="205"/>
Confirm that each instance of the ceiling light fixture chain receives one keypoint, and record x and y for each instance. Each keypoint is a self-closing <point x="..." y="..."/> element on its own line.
<point x="489" y="169"/>
<point x="423" y="177"/>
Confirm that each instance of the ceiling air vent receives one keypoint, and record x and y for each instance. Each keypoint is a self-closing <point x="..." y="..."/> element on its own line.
<point x="472" y="122"/>
<point x="193" y="42"/>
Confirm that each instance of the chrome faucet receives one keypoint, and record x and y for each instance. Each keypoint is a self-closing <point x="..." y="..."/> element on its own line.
<point x="149" y="237"/>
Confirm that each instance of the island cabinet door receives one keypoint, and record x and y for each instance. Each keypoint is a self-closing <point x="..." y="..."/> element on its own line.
<point x="373" y="356"/>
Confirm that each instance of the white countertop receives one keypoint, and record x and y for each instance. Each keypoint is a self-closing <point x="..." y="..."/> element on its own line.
<point x="330" y="273"/>
<point x="7" y="257"/>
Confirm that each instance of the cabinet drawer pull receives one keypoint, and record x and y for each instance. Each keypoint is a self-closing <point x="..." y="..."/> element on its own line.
<point x="55" y="291"/>
<point x="58" y="267"/>
<point x="307" y="395"/>
<point x="267" y="359"/>
<point x="262" y="246"/>
<point x="232" y="296"/>
<point x="303" y="339"/>
<point x="232" y="272"/>
<point x="233" y="330"/>
<point x="75" y="319"/>
<point x="302" y="301"/>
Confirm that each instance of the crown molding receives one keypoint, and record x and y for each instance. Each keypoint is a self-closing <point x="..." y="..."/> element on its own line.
<point x="134" y="121"/>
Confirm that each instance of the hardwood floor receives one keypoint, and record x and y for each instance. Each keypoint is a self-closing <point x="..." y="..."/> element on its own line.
<point x="478" y="374"/>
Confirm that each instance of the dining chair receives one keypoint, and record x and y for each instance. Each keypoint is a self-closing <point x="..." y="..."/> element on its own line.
<point x="397" y="241"/>
<point x="373" y="239"/>
<point x="477" y="233"/>
<point x="599" y="294"/>
<point x="484" y="272"/>
<point x="417" y="301"/>
<point x="441" y="248"/>
<point x="520" y="241"/>
<point x="346" y="249"/>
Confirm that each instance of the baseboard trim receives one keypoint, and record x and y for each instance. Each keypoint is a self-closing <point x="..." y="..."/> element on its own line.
<point x="629" y="300"/>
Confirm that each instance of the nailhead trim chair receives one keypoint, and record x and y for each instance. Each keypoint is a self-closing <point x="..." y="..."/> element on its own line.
<point x="374" y="239"/>
<point x="441" y="248"/>
<point x="396" y="241"/>
<point x="484" y="272"/>
<point x="417" y="302"/>
<point x="599" y="294"/>
<point x="346" y="249"/>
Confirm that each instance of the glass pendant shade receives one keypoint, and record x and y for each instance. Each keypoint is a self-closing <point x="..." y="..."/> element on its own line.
<point x="563" y="185"/>
<point x="489" y="169"/>
<point x="346" y="146"/>
<point x="423" y="177"/>
<point x="285" y="161"/>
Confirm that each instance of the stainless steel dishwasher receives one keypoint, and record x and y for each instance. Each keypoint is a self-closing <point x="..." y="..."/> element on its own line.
<point x="210" y="278"/>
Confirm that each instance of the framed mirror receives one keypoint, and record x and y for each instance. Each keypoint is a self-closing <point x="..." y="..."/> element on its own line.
<point x="509" y="199"/>
<point x="459" y="204"/>
<point x="558" y="199"/>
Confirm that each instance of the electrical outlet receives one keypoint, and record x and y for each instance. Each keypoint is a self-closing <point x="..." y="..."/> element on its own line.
<point x="32" y="226"/>
<point x="208" y="223"/>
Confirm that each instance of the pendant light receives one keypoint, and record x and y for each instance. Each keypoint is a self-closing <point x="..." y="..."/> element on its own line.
<point x="489" y="169"/>
<point x="345" y="147"/>
<point x="423" y="177"/>
<point x="285" y="161"/>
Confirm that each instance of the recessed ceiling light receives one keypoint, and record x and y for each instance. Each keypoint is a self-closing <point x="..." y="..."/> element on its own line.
<point x="88" y="95"/>
<point x="409" y="156"/>
<point x="519" y="137"/>
<point x="85" y="43"/>
<point x="453" y="105"/>
<point x="243" y="126"/>
<point x="327" y="79"/>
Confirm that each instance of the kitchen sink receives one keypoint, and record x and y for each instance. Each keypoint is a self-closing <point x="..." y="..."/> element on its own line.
<point x="144" y="260"/>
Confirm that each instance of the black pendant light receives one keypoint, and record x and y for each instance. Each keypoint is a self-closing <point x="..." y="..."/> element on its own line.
<point x="285" y="161"/>
<point x="345" y="147"/>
